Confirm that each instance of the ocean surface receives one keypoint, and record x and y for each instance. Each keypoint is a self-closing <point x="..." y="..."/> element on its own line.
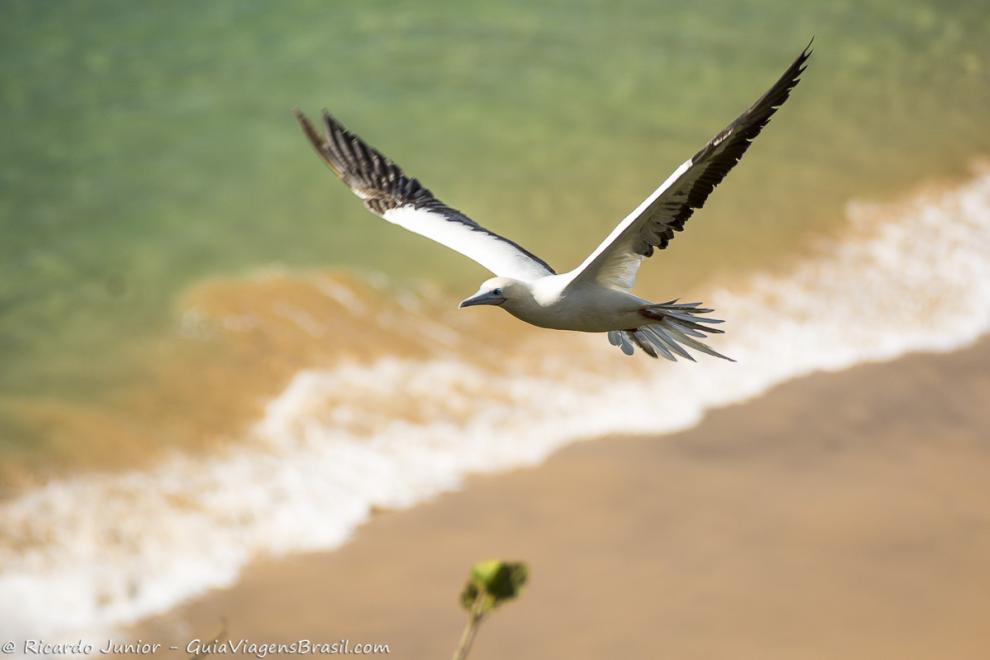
<point x="210" y="352"/>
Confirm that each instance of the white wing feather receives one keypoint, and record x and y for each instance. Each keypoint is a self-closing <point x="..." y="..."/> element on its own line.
<point x="495" y="253"/>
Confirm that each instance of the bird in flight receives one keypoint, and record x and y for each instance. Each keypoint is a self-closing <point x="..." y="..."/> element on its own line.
<point x="596" y="296"/>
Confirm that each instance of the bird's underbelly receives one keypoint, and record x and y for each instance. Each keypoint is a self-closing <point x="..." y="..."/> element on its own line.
<point x="600" y="316"/>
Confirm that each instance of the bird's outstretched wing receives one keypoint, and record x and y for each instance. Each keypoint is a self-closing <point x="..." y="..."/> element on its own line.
<point x="653" y="223"/>
<point x="402" y="200"/>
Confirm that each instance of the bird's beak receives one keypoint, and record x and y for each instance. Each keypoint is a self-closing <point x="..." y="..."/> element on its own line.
<point x="486" y="298"/>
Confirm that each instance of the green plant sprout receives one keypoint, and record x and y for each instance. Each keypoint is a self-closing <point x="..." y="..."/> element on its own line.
<point x="491" y="583"/>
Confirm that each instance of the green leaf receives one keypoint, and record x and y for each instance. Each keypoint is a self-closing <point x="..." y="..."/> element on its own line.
<point x="494" y="582"/>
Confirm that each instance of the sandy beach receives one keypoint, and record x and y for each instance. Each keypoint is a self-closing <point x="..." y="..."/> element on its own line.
<point x="840" y="515"/>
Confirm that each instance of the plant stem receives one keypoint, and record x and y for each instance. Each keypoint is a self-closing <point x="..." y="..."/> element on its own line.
<point x="470" y="630"/>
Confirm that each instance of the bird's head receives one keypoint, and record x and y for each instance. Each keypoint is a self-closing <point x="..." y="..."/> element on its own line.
<point x="498" y="291"/>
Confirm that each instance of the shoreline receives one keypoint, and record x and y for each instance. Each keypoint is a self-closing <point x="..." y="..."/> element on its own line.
<point x="838" y="515"/>
<point x="221" y="322"/>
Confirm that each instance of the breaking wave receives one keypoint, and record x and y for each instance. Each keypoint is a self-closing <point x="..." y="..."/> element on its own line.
<point x="339" y="443"/>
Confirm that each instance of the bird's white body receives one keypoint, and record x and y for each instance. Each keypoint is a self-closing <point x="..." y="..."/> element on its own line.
<point x="596" y="296"/>
<point x="550" y="302"/>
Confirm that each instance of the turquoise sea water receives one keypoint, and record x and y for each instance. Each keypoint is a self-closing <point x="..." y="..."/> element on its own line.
<point x="148" y="148"/>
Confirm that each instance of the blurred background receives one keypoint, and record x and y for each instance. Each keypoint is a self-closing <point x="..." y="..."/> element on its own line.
<point x="201" y="330"/>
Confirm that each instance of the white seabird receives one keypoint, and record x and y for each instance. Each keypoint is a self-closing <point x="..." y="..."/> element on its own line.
<point x="595" y="296"/>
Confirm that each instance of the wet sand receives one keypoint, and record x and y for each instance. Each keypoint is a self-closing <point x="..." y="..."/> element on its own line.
<point x="839" y="516"/>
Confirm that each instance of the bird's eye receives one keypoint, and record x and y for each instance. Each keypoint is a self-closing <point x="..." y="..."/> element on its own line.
<point x="497" y="292"/>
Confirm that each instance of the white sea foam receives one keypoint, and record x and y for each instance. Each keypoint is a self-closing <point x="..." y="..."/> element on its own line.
<point x="82" y="555"/>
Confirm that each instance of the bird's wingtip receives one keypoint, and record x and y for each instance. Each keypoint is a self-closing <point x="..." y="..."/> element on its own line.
<point x="307" y="128"/>
<point x="315" y="139"/>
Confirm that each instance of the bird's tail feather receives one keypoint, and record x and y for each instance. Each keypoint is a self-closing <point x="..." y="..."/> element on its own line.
<point x="670" y="329"/>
